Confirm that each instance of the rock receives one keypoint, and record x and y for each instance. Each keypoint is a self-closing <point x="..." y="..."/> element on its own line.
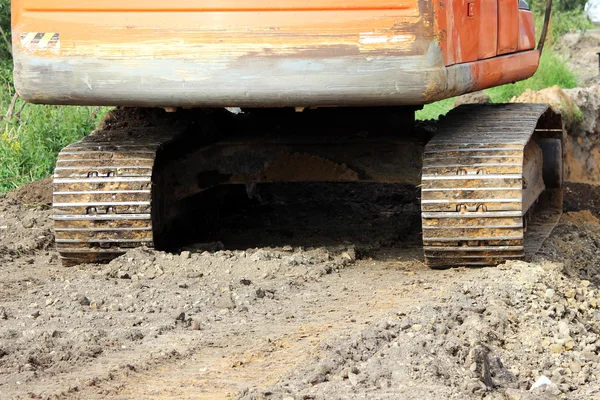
<point x="225" y="302"/>
<point x="260" y="293"/>
<point x="513" y="394"/>
<point x="353" y="378"/>
<point x="417" y="327"/>
<point x="563" y="329"/>
<point x="195" y="325"/>
<point x="35" y="314"/>
<point x="569" y="344"/>
<point x="556" y="348"/>
<point x="180" y="316"/>
<point x="287" y="248"/>
<point x="82" y="300"/>
<point x="349" y="255"/>
<point x="186" y="254"/>
<point x="550" y="294"/>
<point x="541" y="381"/>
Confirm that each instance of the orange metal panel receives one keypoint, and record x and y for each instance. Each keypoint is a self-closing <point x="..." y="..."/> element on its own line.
<point x="526" y="31"/>
<point x="508" y="26"/>
<point x="468" y="29"/>
<point x="462" y="31"/>
<point x="501" y="70"/>
<point x="488" y="29"/>
<point x="193" y="29"/>
<point x="221" y="5"/>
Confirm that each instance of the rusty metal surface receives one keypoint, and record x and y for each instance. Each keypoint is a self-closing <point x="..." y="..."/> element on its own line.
<point x="475" y="199"/>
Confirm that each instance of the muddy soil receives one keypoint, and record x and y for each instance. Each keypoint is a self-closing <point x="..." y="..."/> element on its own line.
<point x="307" y="292"/>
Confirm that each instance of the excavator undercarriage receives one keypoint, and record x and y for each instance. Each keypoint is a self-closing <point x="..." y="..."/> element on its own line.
<point x="490" y="176"/>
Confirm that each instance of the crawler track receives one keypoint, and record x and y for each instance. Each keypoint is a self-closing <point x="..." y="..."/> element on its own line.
<point x="476" y="195"/>
<point x="103" y="190"/>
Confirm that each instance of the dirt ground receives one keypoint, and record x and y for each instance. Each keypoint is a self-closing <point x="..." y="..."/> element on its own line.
<point x="354" y="315"/>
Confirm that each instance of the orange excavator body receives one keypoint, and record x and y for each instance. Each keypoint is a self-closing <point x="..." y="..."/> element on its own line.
<point x="264" y="53"/>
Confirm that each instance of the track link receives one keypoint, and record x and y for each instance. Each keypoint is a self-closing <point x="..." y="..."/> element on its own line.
<point x="476" y="196"/>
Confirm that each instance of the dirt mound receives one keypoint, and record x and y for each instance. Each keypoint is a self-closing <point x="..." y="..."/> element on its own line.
<point x="24" y="229"/>
<point x="560" y="101"/>
<point x="34" y="193"/>
<point x="580" y="109"/>
<point x="472" y="98"/>
<point x="491" y="336"/>
<point x="580" y="51"/>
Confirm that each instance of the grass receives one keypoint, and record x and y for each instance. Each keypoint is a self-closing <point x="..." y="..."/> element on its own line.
<point x="31" y="139"/>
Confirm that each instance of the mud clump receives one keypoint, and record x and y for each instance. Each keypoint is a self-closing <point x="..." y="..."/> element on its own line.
<point x="34" y="193"/>
<point x="25" y="221"/>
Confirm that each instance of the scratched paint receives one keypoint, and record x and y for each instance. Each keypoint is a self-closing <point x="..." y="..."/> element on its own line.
<point x="231" y="53"/>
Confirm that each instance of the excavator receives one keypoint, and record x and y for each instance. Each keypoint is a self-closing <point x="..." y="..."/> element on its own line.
<point x="237" y="92"/>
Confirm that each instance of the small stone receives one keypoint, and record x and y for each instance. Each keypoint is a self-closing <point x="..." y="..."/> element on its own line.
<point x="225" y="302"/>
<point x="575" y="367"/>
<point x="180" y="316"/>
<point x="585" y="283"/>
<point x="417" y="327"/>
<point x="513" y="394"/>
<point x="35" y="314"/>
<point x="246" y="282"/>
<point x="195" y="325"/>
<point x="570" y="293"/>
<point x="556" y="348"/>
<point x="541" y="381"/>
<point x="353" y="378"/>
<point x="260" y="293"/>
<point x="287" y="248"/>
<point x="186" y="254"/>
<point x="93" y="305"/>
<point x="563" y="329"/>
<point x="183" y="285"/>
<point x="550" y="294"/>
<point x="82" y="300"/>
<point x="569" y="344"/>
<point x="288" y="398"/>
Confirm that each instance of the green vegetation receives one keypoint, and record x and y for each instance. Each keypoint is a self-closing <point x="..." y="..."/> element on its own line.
<point x="32" y="135"/>
<point x="553" y="70"/>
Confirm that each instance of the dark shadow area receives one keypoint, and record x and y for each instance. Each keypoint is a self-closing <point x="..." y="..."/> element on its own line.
<point x="367" y="215"/>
